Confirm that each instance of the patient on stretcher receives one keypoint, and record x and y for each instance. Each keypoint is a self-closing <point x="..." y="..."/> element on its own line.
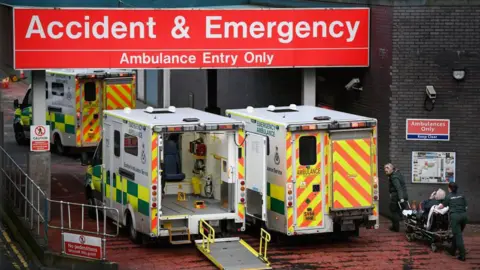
<point x="428" y="216"/>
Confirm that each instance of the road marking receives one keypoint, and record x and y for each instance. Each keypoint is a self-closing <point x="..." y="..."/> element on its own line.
<point x="65" y="190"/>
<point x="54" y="179"/>
<point x="59" y="184"/>
<point x="15" y="250"/>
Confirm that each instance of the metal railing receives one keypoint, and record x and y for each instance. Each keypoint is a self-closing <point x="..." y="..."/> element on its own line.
<point x="208" y="235"/>
<point x="29" y="202"/>
<point x="264" y="240"/>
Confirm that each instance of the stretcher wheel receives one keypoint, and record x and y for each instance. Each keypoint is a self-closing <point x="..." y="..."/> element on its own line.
<point x="434" y="247"/>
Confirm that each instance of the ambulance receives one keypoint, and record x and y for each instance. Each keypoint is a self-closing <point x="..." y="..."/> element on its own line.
<point x="171" y="173"/>
<point x="308" y="170"/>
<point x="75" y="101"/>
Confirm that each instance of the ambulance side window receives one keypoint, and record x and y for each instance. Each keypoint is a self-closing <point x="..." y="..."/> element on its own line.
<point x="90" y="91"/>
<point x="308" y="150"/>
<point x="130" y="144"/>
<point x="58" y="89"/>
<point x="116" y="143"/>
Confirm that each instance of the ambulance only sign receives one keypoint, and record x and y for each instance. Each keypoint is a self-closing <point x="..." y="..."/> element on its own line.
<point x="186" y="38"/>
<point x="428" y="129"/>
<point x="40" y="138"/>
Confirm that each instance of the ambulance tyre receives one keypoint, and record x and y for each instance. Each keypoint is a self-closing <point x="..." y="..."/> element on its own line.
<point x="59" y="148"/>
<point x="134" y="236"/>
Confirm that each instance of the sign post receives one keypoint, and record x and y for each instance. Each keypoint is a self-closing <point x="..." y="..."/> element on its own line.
<point x="82" y="246"/>
<point x="428" y="130"/>
<point x="39" y="138"/>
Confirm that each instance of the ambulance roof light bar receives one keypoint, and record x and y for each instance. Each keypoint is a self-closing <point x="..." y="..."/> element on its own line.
<point x="333" y="125"/>
<point x="197" y="127"/>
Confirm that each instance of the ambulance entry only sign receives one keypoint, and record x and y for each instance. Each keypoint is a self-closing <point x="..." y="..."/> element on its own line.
<point x="40" y="138"/>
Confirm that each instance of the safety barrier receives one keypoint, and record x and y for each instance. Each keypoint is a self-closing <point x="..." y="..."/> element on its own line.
<point x="31" y="204"/>
<point x="209" y="237"/>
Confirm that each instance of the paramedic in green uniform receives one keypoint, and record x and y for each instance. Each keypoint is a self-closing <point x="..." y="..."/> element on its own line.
<point x="398" y="193"/>
<point x="457" y="204"/>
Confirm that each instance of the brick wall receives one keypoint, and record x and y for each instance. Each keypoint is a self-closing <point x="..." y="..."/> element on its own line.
<point x="427" y="42"/>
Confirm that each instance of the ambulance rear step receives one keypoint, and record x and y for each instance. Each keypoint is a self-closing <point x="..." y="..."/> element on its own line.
<point x="179" y="231"/>
<point x="233" y="252"/>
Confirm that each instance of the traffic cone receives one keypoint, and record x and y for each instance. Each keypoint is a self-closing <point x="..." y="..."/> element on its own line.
<point x="5" y="82"/>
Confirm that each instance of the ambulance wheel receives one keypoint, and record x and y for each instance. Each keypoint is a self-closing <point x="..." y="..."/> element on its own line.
<point x="91" y="210"/>
<point x="134" y="236"/>
<point x="59" y="148"/>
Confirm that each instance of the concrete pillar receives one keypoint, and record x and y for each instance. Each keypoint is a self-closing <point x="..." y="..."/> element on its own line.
<point x="309" y="87"/>
<point x="166" y="88"/>
<point x="39" y="162"/>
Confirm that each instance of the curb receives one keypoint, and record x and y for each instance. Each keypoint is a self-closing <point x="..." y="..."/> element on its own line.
<point x="23" y="244"/>
<point x="42" y="258"/>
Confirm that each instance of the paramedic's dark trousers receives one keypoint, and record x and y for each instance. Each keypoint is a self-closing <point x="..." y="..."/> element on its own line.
<point x="458" y="221"/>
<point x="396" y="214"/>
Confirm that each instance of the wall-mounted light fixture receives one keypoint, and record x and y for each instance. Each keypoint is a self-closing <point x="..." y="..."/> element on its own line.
<point x="458" y="73"/>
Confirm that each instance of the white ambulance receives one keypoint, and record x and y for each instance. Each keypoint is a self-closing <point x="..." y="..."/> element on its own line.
<point x="172" y="173"/>
<point x="309" y="170"/>
<point x="75" y="101"/>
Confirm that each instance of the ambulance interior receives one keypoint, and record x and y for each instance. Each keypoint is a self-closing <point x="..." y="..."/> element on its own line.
<point x="195" y="176"/>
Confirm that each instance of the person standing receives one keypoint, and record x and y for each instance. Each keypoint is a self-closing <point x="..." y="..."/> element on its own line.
<point x="398" y="193"/>
<point x="457" y="204"/>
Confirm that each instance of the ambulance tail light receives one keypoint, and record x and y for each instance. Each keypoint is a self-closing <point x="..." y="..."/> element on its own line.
<point x="153" y="197"/>
<point x="242" y="191"/>
<point x="78" y="119"/>
<point x="289" y="195"/>
<point x="375" y="189"/>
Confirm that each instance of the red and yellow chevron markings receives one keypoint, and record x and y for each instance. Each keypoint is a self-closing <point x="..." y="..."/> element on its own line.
<point x="326" y="151"/>
<point x="78" y="136"/>
<point x="241" y="160"/>
<point x="154" y="210"/>
<point x="374" y="162"/>
<point x="309" y="203"/>
<point x="289" y="168"/>
<point x="352" y="179"/>
<point x="119" y="96"/>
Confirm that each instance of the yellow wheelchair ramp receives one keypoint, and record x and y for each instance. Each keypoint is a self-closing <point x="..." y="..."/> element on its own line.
<point x="232" y="253"/>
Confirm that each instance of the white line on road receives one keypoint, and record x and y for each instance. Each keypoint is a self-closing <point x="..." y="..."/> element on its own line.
<point x="65" y="190"/>
<point x="59" y="184"/>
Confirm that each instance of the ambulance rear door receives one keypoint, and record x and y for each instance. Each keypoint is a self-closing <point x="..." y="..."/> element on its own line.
<point x="119" y="93"/>
<point x="352" y="173"/>
<point x="309" y="188"/>
<point x="90" y="102"/>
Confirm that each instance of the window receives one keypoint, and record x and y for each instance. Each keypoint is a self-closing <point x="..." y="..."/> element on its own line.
<point x="46" y="90"/>
<point x="58" y="89"/>
<point x="130" y="144"/>
<point x="116" y="143"/>
<point x="308" y="150"/>
<point x="90" y="91"/>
